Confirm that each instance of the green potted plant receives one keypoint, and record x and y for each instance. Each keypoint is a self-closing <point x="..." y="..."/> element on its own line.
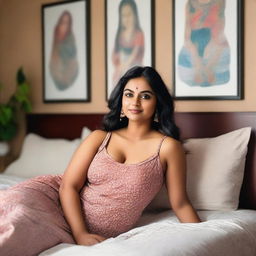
<point x="18" y="102"/>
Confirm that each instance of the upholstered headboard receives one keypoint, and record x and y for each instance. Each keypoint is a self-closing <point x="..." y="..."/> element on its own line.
<point x="192" y="125"/>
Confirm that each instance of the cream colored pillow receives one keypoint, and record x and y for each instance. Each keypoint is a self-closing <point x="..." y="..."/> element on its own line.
<point x="85" y="132"/>
<point x="215" y="169"/>
<point x="41" y="156"/>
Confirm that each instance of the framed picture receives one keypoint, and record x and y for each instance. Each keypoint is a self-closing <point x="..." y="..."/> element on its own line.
<point x="65" y="28"/>
<point x="129" y="37"/>
<point x="207" y="57"/>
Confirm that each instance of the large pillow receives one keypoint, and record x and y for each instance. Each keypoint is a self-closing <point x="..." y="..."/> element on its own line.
<point x="40" y="156"/>
<point x="85" y="132"/>
<point x="215" y="169"/>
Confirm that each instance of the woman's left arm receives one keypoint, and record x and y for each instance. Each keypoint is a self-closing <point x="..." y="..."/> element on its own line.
<point x="174" y="156"/>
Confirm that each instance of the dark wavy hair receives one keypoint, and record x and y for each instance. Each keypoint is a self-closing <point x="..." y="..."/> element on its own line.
<point x="164" y="105"/>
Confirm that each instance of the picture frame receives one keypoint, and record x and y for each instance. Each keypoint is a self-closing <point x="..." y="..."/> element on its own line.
<point x="207" y="50"/>
<point x="66" y="51"/>
<point x="125" y="49"/>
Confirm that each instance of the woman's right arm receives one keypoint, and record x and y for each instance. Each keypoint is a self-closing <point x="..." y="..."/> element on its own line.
<point x="72" y="182"/>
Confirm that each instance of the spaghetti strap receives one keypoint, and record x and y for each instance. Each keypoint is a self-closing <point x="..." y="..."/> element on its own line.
<point x="105" y="141"/>
<point x="160" y="144"/>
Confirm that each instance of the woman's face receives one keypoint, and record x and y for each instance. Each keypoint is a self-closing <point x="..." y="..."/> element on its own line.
<point x="127" y="17"/>
<point x="139" y="100"/>
<point x="64" y="26"/>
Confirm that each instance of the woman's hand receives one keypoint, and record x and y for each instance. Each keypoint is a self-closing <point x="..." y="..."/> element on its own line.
<point x="89" y="239"/>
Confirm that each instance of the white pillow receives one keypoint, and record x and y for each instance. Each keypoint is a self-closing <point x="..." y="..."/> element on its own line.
<point x="41" y="156"/>
<point x="215" y="169"/>
<point x="85" y="132"/>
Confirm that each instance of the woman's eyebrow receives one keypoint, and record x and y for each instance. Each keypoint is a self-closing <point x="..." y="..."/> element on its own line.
<point x="128" y="90"/>
<point x="146" y="91"/>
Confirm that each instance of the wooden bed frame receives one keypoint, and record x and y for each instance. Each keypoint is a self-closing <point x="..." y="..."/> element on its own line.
<point x="192" y="125"/>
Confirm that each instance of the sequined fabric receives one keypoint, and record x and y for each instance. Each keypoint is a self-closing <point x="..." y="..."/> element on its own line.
<point x="31" y="217"/>
<point x="113" y="198"/>
<point x="117" y="193"/>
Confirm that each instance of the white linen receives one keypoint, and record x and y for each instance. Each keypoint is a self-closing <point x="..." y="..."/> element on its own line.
<point x="222" y="233"/>
<point x="9" y="180"/>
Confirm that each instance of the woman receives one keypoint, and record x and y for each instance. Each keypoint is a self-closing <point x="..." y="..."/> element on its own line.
<point x="205" y="58"/>
<point x="111" y="178"/>
<point x="63" y="63"/>
<point x="129" y="41"/>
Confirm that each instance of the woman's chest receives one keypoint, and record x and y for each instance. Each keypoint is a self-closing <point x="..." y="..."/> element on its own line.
<point x="105" y="170"/>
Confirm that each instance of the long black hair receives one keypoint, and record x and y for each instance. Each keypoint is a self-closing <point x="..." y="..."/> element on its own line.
<point x="164" y="105"/>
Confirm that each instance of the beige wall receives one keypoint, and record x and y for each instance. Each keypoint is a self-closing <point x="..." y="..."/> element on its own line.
<point x="20" y="35"/>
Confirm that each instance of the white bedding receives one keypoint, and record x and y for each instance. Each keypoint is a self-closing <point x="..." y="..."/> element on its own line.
<point x="222" y="233"/>
<point x="9" y="180"/>
<point x="159" y="234"/>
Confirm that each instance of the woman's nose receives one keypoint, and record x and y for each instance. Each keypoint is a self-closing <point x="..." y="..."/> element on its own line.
<point x="136" y="101"/>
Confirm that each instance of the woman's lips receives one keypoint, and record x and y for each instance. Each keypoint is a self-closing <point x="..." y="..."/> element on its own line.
<point x="135" y="111"/>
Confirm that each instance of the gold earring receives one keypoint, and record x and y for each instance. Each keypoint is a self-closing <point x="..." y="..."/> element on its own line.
<point x="122" y="115"/>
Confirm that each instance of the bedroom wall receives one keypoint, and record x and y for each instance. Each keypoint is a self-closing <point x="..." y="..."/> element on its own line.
<point x="20" y="33"/>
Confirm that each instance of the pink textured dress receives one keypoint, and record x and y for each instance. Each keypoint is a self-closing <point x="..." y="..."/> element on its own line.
<point x="117" y="193"/>
<point x="113" y="198"/>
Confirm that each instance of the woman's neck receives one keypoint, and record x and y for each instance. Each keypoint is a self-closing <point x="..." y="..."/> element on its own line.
<point x="138" y="131"/>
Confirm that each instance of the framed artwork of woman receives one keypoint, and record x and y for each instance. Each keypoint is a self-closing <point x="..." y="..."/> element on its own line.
<point x="207" y="49"/>
<point x="65" y="51"/>
<point x="129" y="37"/>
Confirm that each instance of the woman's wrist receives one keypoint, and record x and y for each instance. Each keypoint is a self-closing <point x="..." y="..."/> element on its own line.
<point x="78" y="234"/>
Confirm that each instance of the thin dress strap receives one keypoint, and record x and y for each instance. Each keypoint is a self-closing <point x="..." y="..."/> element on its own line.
<point x="105" y="141"/>
<point x="160" y="144"/>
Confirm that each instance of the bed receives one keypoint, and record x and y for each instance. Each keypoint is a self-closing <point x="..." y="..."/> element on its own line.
<point x="221" y="159"/>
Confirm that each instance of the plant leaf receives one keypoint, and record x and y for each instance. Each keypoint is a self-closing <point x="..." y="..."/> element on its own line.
<point x="20" y="77"/>
<point x="6" y="114"/>
<point x="7" y="132"/>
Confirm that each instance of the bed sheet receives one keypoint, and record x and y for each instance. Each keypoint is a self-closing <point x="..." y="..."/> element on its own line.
<point x="221" y="233"/>
<point x="9" y="180"/>
<point x="161" y="234"/>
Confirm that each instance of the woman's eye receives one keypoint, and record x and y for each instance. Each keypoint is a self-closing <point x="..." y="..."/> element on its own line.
<point x="145" y="96"/>
<point x="128" y="94"/>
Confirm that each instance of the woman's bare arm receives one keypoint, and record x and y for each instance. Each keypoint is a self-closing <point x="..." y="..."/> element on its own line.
<point x="174" y="156"/>
<point x="73" y="180"/>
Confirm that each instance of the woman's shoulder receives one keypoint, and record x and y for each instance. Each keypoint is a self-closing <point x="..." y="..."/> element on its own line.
<point x="96" y="137"/>
<point x="171" y="146"/>
<point x="99" y="133"/>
